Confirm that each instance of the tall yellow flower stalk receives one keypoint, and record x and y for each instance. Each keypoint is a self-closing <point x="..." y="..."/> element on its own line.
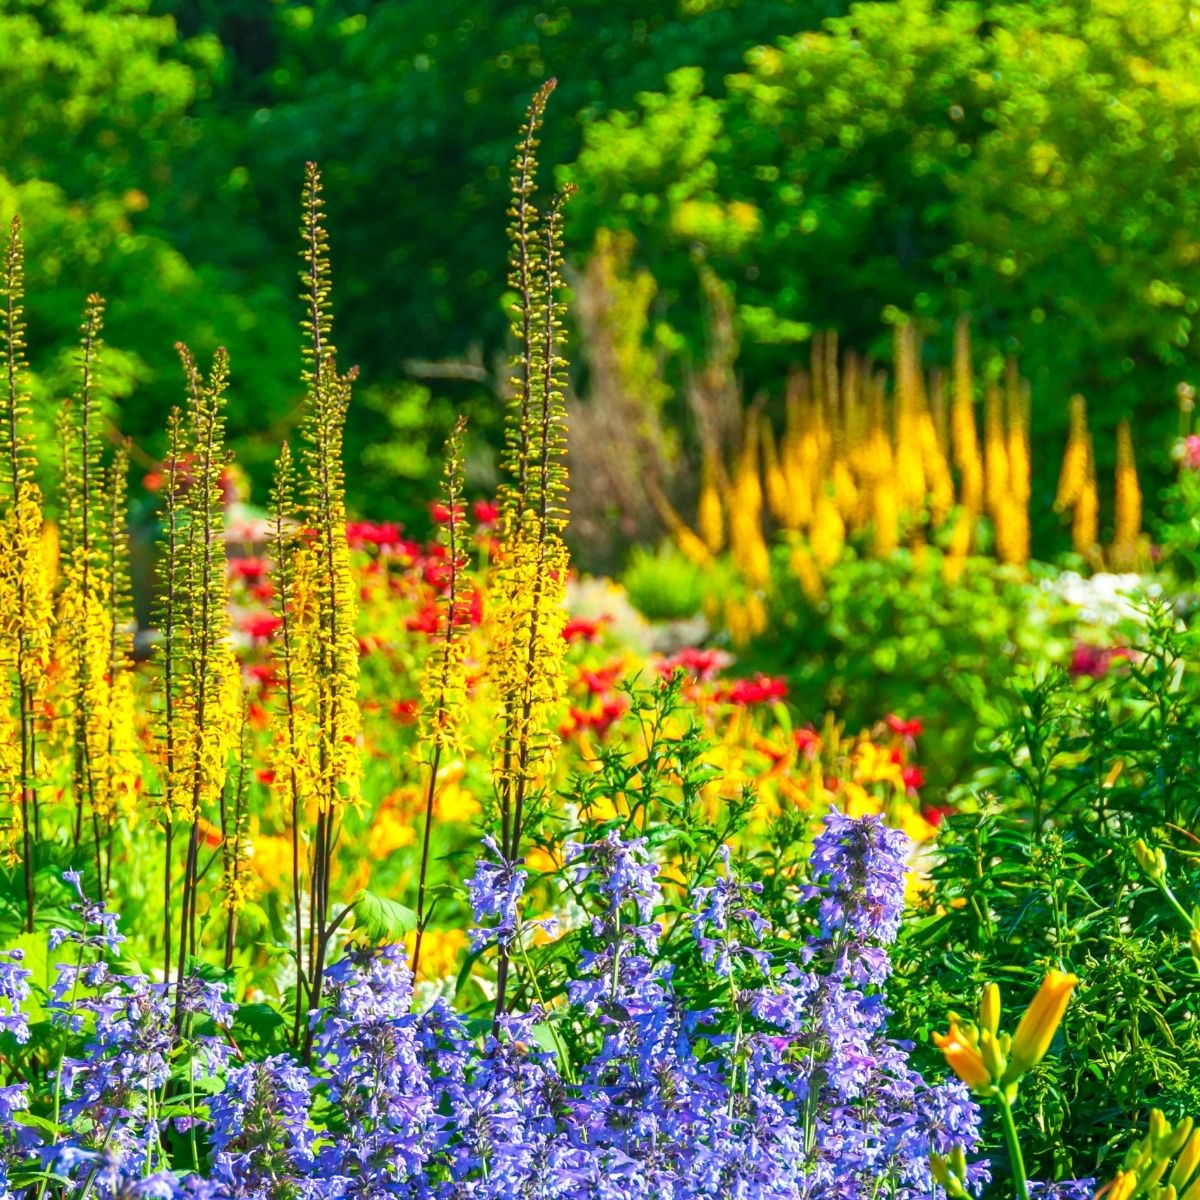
<point x="1127" y="515"/>
<point x="964" y="434"/>
<point x="118" y="766"/>
<point x="1012" y="528"/>
<point x="94" y="616"/>
<point x="294" y="752"/>
<point x="799" y="454"/>
<point x="443" y="684"/>
<point x="911" y="483"/>
<point x="325" y="642"/>
<point x="25" y="582"/>
<point x="527" y="597"/>
<point x="747" y="545"/>
<point x="206" y="681"/>
<point x="1085" y="517"/>
<point x="1072" y="477"/>
<point x="710" y="516"/>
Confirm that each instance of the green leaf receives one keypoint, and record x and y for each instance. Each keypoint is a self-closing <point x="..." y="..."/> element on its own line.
<point x="381" y="919"/>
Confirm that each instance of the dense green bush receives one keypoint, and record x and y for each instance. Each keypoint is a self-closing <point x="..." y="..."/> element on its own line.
<point x="897" y="636"/>
<point x="1043" y="874"/>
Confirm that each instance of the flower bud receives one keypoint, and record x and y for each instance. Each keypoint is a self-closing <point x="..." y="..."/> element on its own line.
<point x="1186" y="1163"/>
<point x="1153" y="862"/>
<point x="989" y="1009"/>
<point x="1040" y="1023"/>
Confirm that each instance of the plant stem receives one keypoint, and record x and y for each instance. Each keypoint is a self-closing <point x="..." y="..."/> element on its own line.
<point x="1013" y="1145"/>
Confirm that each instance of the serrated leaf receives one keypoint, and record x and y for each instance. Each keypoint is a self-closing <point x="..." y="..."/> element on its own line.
<point x="381" y="919"/>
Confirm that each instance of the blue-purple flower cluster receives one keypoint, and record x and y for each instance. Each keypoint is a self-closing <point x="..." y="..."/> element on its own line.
<point x="782" y="1083"/>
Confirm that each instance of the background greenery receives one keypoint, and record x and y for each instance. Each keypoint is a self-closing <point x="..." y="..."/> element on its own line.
<point x="1034" y="165"/>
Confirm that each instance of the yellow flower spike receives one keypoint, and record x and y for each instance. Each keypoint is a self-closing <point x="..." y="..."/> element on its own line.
<point x="1040" y="1023"/>
<point x="961" y="1048"/>
<point x="989" y="1009"/>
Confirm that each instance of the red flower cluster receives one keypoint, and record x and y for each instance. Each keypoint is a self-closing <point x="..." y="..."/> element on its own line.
<point x="762" y="689"/>
<point x="905" y="729"/>
<point x="703" y="665"/>
<point x="1095" y="661"/>
<point x="583" y="629"/>
<point x="599" y="722"/>
<point x="386" y="535"/>
<point x="261" y="625"/>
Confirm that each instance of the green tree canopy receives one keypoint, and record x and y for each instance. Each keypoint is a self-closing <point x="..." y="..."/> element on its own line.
<point x="1035" y="166"/>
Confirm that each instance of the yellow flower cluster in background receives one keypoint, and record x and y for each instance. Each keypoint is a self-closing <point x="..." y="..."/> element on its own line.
<point x="880" y="460"/>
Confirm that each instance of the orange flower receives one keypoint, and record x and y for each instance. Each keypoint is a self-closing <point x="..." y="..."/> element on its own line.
<point x="961" y="1049"/>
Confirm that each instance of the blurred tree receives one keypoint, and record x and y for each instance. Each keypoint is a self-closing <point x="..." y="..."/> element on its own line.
<point x="95" y="114"/>
<point x="1037" y="166"/>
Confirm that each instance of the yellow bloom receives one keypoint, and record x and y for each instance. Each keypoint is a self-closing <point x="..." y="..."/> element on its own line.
<point x="961" y="1048"/>
<point x="454" y="803"/>
<point x="441" y="952"/>
<point x="270" y="857"/>
<point x="1041" y="1021"/>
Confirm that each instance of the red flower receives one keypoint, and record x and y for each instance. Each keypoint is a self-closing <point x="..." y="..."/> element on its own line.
<point x="427" y="620"/>
<point x="701" y="664"/>
<point x="262" y="673"/>
<point x="262" y="625"/>
<point x="153" y="481"/>
<point x="610" y="711"/>
<point x="934" y="814"/>
<point x="441" y="512"/>
<point x="486" y="513"/>
<point x="581" y="629"/>
<point x="1094" y="661"/>
<point x="759" y="690"/>
<point x="914" y="778"/>
<point x="368" y="533"/>
<point x="808" y="742"/>
<point x="472" y="613"/>
<point x="265" y="775"/>
<point x="405" y="711"/>
<point x="601" y="681"/>
<point x="249" y="568"/>
<point x="903" y="728"/>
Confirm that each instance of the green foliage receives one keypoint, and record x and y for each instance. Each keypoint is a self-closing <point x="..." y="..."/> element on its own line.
<point x="1044" y="874"/>
<point x="663" y="585"/>
<point x="1035" y="166"/>
<point x="896" y="636"/>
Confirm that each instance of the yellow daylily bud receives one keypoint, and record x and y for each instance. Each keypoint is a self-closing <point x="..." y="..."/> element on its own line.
<point x="1159" y="1126"/>
<point x="1187" y="1162"/>
<point x="960" y="1046"/>
<point x="992" y="1053"/>
<point x="1153" y="862"/>
<point x="1178" y="1138"/>
<point x="948" y="1173"/>
<point x="989" y="1009"/>
<point x="1194" y="943"/>
<point x="1123" y="1187"/>
<point x="1040" y="1022"/>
